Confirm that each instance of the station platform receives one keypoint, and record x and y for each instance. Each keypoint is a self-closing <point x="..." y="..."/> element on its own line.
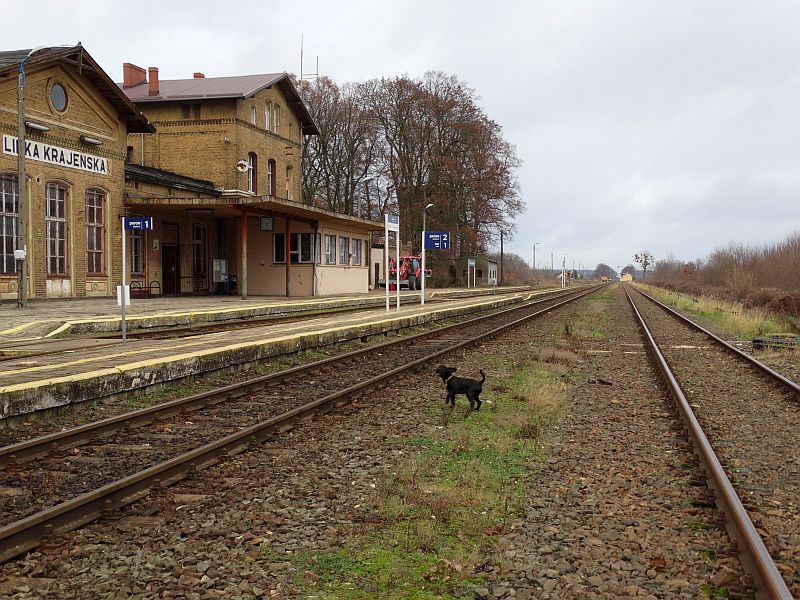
<point x="48" y="357"/>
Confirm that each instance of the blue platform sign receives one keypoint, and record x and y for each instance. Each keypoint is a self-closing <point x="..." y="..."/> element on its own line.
<point x="138" y="223"/>
<point x="437" y="240"/>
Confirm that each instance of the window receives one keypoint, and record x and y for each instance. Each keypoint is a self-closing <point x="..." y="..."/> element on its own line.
<point x="300" y="247"/>
<point x="58" y="97"/>
<point x="190" y="111"/>
<point x="95" y="231"/>
<point x="276" y="118"/>
<point x="344" y="251"/>
<point x="137" y="252"/>
<point x="330" y="249"/>
<point x="253" y="116"/>
<point x="268" y="116"/>
<point x="199" y="249"/>
<point x="357" y="252"/>
<point x="56" y="228"/>
<point x="291" y="131"/>
<point x="252" y="173"/>
<point x="271" y="167"/>
<point x="289" y="183"/>
<point x="279" y="247"/>
<point x="129" y="155"/>
<point x="9" y="221"/>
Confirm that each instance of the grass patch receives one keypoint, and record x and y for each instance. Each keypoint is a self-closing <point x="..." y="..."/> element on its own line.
<point x="713" y="591"/>
<point x="439" y="512"/>
<point x="730" y="317"/>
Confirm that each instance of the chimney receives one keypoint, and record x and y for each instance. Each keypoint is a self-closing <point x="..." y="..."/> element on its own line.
<point x="199" y="76"/>
<point x="153" y="90"/>
<point x="132" y="75"/>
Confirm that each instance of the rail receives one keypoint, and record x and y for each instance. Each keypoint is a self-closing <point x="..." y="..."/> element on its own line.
<point x="755" y="558"/>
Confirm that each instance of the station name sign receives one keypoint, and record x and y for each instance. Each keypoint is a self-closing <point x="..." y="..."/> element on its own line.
<point x="53" y="155"/>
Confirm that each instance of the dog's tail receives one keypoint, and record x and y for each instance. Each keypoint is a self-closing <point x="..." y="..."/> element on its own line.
<point x="483" y="376"/>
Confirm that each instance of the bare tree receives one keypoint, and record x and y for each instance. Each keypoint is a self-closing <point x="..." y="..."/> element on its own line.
<point x="405" y="143"/>
<point x="645" y="259"/>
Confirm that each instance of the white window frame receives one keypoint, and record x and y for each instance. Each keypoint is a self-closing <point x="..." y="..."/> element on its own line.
<point x="137" y="252"/>
<point x="344" y="250"/>
<point x="9" y="220"/>
<point x="252" y="173"/>
<point x="95" y="231"/>
<point x="56" y="245"/>
<point x="301" y="248"/>
<point x="330" y="249"/>
<point x="356" y="247"/>
<point x="253" y="115"/>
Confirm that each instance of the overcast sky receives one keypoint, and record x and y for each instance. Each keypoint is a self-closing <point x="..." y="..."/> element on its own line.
<point x="665" y="125"/>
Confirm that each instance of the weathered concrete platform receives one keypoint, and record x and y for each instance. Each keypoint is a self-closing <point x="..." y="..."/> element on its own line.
<point x="80" y="369"/>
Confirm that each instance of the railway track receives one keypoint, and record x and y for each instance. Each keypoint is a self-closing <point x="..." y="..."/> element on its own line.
<point x="742" y="419"/>
<point x="64" y="480"/>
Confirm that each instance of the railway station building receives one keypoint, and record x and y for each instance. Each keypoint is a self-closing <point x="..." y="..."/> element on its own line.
<point x="77" y="122"/>
<point x="216" y="162"/>
<point x="221" y="176"/>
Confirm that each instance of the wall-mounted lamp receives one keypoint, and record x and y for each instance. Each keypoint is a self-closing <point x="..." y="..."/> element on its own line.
<point x="36" y="126"/>
<point x="90" y="140"/>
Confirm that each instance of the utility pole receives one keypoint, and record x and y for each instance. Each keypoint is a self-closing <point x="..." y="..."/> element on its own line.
<point x="501" y="257"/>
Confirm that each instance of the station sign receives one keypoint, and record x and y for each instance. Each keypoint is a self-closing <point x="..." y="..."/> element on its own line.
<point x="55" y="155"/>
<point x="437" y="240"/>
<point x="392" y="222"/>
<point x="138" y="223"/>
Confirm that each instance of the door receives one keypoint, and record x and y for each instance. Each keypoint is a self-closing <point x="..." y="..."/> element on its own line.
<point x="169" y="269"/>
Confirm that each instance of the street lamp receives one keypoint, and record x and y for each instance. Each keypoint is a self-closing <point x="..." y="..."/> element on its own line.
<point x="422" y="274"/>
<point x="22" y="195"/>
<point x="534" y="261"/>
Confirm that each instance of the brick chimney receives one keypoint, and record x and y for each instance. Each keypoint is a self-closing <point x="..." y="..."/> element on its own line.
<point x="199" y="76"/>
<point x="153" y="80"/>
<point x="132" y="75"/>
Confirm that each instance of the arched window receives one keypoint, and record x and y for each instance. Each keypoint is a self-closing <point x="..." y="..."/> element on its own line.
<point x="271" y="172"/>
<point x="289" y="183"/>
<point x="199" y="245"/>
<point x="95" y="231"/>
<point x="268" y="116"/>
<point x="276" y="118"/>
<point x="253" y="115"/>
<point x="252" y="173"/>
<point x="9" y="222"/>
<point x="55" y="220"/>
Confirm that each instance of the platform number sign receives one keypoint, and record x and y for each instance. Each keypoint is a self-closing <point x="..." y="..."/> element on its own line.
<point x="138" y="223"/>
<point x="437" y="240"/>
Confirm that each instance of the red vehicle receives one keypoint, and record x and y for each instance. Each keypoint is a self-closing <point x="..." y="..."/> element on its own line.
<point x="410" y="272"/>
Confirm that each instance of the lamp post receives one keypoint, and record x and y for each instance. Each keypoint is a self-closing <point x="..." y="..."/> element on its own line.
<point x="422" y="274"/>
<point x="534" y="261"/>
<point x="22" y="192"/>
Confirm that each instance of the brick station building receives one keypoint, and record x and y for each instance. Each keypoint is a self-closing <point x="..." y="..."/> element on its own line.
<point x="237" y="144"/>
<point x="215" y="161"/>
<point x="77" y="126"/>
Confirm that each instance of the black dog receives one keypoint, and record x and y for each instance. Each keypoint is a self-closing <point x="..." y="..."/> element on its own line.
<point x="471" y="388"/>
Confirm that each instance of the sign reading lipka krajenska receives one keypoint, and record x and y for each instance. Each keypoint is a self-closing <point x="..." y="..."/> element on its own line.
<point x="53" y="155"/>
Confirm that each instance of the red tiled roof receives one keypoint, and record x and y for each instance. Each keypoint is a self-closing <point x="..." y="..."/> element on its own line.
<point x="242" y="86"/>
